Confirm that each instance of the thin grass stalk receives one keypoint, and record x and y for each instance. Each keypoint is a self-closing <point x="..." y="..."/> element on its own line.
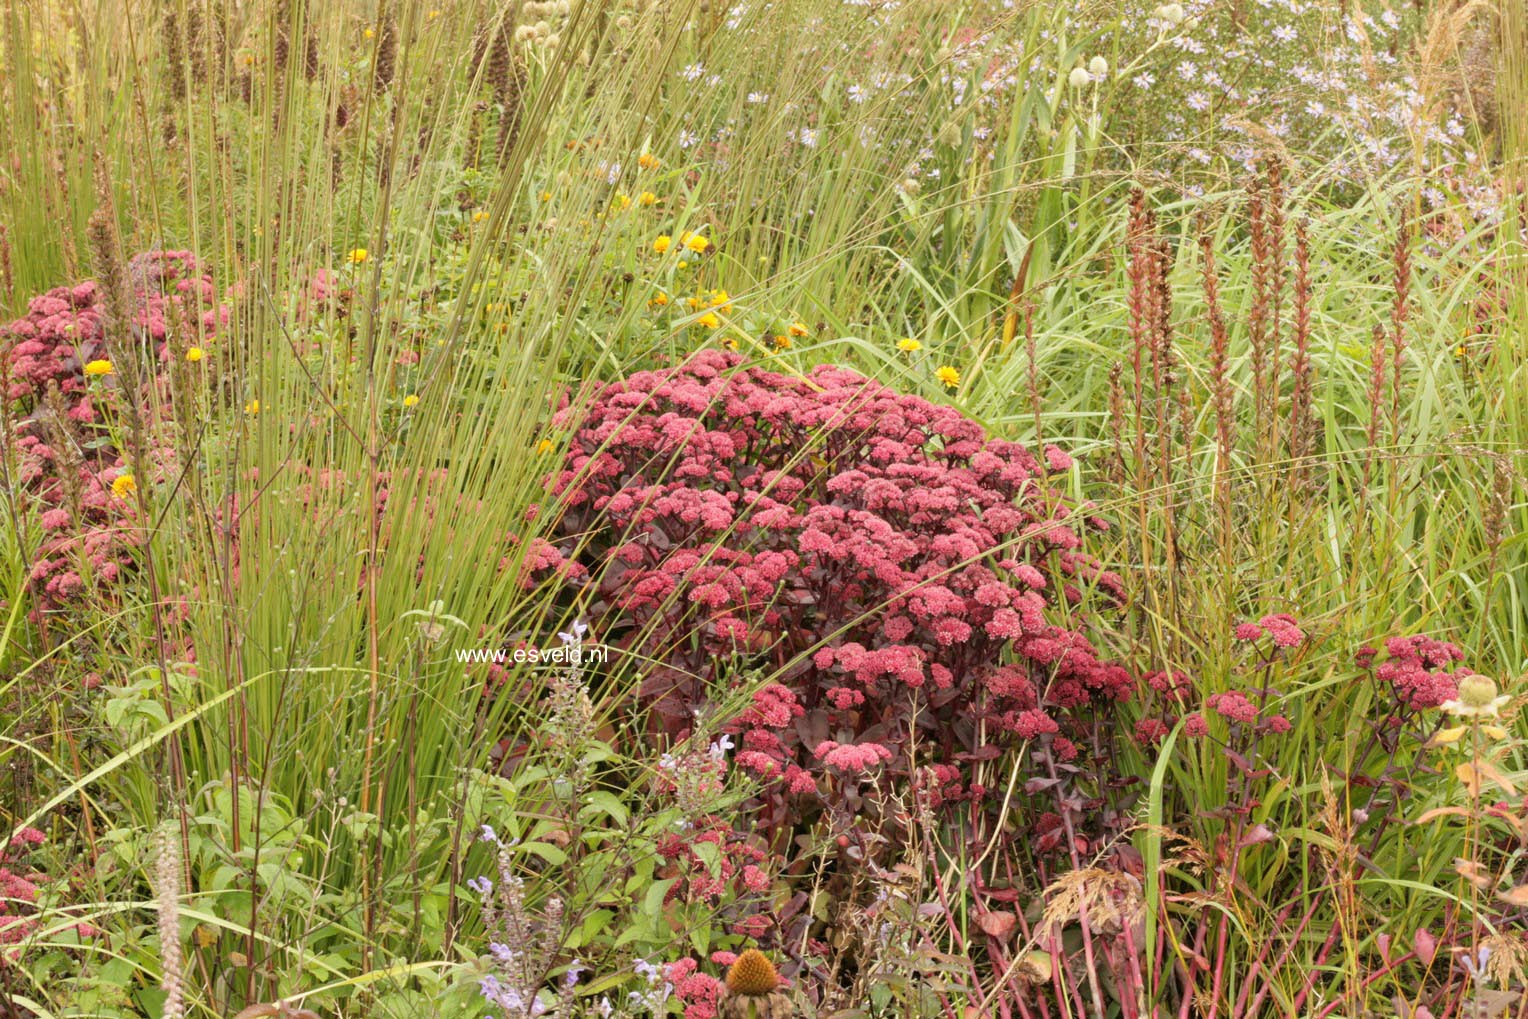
<point x="1300" y="420"/>
<point x="1220" y="389"/>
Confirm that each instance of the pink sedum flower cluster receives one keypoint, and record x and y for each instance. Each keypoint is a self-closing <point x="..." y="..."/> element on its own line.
<point x="881" y="555"/>
<point x="87" y="523"/>
<point x="1281" y="628"/>
<point x="19" y="888"/>
<point x="1419" y="669"/>
<point x="62" y="330"/>
<point x="699" y="992"/>
<point x="736" y="887"/>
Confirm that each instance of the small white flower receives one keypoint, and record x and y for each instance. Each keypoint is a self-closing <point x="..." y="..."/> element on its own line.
<point x="1172" y="14"/>
<point x="1079" y="78"/>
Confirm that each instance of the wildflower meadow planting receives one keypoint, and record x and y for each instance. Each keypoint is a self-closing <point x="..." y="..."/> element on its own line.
<point x="806" y="509"/>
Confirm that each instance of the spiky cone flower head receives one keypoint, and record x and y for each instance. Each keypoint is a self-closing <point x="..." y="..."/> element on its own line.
<point x="753" y="989"/>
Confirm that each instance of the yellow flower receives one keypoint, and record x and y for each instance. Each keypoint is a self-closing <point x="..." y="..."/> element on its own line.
<point x="434" y="14"/>
<point x="730" y="342"/>
<point x="410" y="400"/>
<point x="358" y="255"/>
<point x="123" y="486"/>
<point x="909" y="345"/>
<point x="98" y="367"/>
<point x="546" y="196"/>
<point x="661" y="245"/>
<point x="370" y="33"/>
<point x="480" y="215"/>
<point x="658" y="300"/>
<point x="782" y="342"/>
<point x="622" y="201"/>
<point x="193" y="354"/>
<point x="949" y="376"/>
<point x="798" y="329"/>
<point x="647" y="198"/>
<point x="695" y="242"/>
<point x="683" y="264"/>
<point x="544" y="446"/>
<point x="648" y="161"/>
<point x="721" y="299"/>
<point x="252" y="407"/>
<point x="709" y="320"/>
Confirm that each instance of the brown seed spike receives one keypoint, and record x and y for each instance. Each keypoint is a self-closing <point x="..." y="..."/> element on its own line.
<point x="752" y="973"/>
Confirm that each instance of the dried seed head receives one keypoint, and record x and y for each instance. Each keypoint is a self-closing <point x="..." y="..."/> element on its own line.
<point x="167" y="890"/>
<point x="1474" y="692"/>
<point x="752" y="973"/>
<point x="310" y="54"/>
<point x="387" y="55"/>
<point x="7" y="279"/>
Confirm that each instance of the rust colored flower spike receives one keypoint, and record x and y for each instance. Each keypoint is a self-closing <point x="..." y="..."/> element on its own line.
<point x="752" y="974"/>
